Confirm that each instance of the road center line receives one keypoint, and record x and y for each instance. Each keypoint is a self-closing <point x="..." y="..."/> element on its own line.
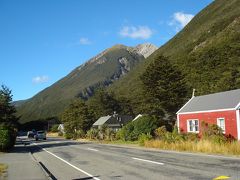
<point x="91" y="149"/>
<point x="154" y="162"/>
<point x="68" y="163"/>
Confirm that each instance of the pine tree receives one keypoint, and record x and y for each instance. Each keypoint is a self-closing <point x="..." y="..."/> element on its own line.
<point x="77" y="117"/>
<point x="7" y="110"/>
<point x="163" y="82"/>
<point x="104" y="103"/>
<point x="8" y="120"/>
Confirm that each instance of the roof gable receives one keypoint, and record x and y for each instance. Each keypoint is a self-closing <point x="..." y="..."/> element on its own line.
<point x="101" y="120"/>
<point x="223" y="100"/>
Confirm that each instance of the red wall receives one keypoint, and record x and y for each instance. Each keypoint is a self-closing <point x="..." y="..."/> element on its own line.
<point x="211" y="118"/>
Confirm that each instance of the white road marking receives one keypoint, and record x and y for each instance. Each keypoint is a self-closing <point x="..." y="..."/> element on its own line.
<point x="68" y="163"/>
<point x="91" y="149"/>
<point x="154" y="162"/>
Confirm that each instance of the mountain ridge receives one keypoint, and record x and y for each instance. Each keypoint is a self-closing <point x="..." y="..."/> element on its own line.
<point x="101" y="70"/>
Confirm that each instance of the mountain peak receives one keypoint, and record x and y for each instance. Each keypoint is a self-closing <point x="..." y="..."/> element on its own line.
<point x="145" y="49"/>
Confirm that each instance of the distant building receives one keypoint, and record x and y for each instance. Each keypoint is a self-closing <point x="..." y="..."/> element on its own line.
<point x="221" y="109"/>
<point x="114" y="121"/>
<point x="61" y="128"/>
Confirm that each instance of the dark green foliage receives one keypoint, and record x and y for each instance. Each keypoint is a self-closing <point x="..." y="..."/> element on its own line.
<point x="7" y="138"/>
<point x="164" y="82"/>
<point x="77" y="119"/>
<point x="103" y="103"/>
<point x="144" y="137"/>
<point x="54" y="128"/>
<point x="143" y="125"/>
<point x="7" y="110"/>
<point x="8" y="120"/>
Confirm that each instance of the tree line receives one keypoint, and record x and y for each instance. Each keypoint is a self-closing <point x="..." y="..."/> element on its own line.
<point x="165" y="91"/>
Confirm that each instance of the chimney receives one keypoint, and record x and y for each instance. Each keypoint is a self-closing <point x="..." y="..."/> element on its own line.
<point x="115" y="114"/>
<point x="193" y="93"/>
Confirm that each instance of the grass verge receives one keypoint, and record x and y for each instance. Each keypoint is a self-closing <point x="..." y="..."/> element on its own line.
<point x="52" y="134"/>
<point x="3" y="170"/>
<point x="202" y="146"/>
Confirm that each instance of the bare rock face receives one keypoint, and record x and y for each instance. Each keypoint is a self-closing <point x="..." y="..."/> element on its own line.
<point x="145" y="49"/>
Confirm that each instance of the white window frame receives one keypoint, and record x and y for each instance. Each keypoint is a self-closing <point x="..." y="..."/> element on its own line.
<point x="194" y="129"/>
<point x="218" y="123"/>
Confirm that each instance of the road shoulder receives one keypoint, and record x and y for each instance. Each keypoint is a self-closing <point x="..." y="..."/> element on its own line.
<point x="21" y="164"/>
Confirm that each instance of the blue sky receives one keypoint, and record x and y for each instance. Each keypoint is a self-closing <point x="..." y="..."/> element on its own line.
<point x="41" y="41"/>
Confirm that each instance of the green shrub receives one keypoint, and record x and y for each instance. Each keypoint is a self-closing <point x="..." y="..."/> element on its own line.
<point x="54" y="128"/>
<point x="145" y="125"/>
<point x="126" y="133"/>
<point x="213" y="133"/>
<point x="7" y="139"/>
<point x="191" y="137"/>
<point x="132" y="131"/>
<point x="144" y="137"/>
<point x="68" y="135"/>
<point x="92" y="133"/>
<point x="109" y="134"/>
<point x="160" y="132"/>
<point x="60" y="133"/>
<point x="78" y="134"/>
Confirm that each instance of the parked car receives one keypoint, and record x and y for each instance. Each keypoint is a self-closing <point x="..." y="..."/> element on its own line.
<point x="31" y="134"/>
<point x="40" y="135"/>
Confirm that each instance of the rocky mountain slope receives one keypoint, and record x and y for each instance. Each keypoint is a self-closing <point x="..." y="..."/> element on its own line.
<point x="101" y="70"/>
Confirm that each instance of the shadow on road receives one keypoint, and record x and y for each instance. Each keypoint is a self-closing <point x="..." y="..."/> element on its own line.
<point x="26" y="145"/>
<point x="85" y="178"/>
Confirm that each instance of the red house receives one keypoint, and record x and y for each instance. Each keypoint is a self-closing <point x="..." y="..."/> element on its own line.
<point x="219" y="108"/>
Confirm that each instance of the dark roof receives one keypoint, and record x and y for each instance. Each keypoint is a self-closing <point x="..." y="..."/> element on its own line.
<point x="217" y="101"/>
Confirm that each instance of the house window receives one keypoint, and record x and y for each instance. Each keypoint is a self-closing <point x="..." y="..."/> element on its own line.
<point x="193" y="125"/>
<point x="221" y="123"/>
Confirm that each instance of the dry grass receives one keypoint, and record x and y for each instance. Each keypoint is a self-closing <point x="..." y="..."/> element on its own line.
<point x="203" y="146"/>
<point x="51" y="134"/>
<point x="3" y="170"/>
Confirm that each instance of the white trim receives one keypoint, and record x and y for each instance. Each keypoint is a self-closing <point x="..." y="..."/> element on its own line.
<point x="188" y="128"/>
<point x="219" y="125"/>
<point x="216" y="110"/>
<point x="238" y="124"/>
<point x="178" y="123"/>
<point x="238" y="106"/>
<point x="185" y="104"/>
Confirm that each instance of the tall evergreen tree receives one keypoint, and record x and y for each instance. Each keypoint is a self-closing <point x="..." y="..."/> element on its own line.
<point x="8" y="120"/>
<point x="7" y="110"/>
<point x="104" y="103"/>
<point x="77" y="117"/>
<point x="163" y="82"/>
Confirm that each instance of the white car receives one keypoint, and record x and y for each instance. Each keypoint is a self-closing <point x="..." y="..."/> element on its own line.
<point x="40" y="135"/>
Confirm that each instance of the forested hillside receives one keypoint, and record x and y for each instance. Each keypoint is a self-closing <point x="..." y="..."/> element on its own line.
<point x="206" y="51"/>
<point x="100" y="71"/>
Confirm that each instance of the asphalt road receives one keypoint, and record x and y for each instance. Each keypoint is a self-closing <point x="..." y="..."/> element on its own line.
<point x="66" y="159"/>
